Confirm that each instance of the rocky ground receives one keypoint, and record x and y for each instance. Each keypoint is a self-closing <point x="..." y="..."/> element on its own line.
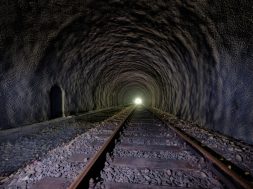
<point x="16" y="153"/>
<point x="65" y="161"/>
<point x="150" y="155"/>
<point x="165" y="177"/>
<point x="235" y="151"/>
<point x="32" y="142"/>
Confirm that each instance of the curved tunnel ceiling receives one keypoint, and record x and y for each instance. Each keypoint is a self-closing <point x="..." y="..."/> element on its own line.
<point x="121" y="45"/>
<point x="177" y="55"/>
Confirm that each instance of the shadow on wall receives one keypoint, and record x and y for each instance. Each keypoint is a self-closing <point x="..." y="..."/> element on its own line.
<point x="56" y="102"/>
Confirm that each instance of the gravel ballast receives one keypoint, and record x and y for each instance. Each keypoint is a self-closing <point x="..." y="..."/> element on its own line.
<point x="235" y="151"/>
<point x="16" y="153"/>
<point x="21" y="145"/>
<point x="61" y="162"/>
<point x="154" y="156"/>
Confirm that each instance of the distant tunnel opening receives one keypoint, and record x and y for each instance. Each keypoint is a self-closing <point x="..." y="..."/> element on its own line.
<point x="56" y="102"/>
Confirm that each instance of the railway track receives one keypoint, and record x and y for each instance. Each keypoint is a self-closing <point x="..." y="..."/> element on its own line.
<point x="144" y="152"/>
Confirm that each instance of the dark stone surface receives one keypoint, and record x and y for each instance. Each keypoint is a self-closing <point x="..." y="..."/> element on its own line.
<point x="190" y="58"/>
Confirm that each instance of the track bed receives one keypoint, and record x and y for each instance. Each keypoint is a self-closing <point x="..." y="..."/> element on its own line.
<point x="146" y="153"/>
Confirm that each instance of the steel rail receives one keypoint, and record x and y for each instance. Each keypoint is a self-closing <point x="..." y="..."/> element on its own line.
<point x="82" y="181"/>
<point x="237" y="178"/>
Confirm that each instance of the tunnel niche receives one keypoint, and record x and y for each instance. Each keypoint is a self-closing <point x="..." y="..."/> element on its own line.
<point x="56" y="96"/>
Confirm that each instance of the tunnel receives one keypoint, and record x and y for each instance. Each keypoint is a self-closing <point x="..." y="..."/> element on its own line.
<point x="68" y="66"/>
<point x="192" y="59"/>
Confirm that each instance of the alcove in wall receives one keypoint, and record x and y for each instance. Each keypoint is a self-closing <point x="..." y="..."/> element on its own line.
<point x="56" y="96"/>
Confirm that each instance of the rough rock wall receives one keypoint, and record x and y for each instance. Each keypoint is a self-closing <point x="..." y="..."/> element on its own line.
<point x="190" y="58"/>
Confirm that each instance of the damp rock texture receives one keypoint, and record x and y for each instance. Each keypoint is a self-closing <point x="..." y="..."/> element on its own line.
<point x="190" y="58"/>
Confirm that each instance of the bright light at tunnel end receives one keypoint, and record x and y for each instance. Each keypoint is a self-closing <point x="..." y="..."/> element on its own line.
<point x="138" y="101"/>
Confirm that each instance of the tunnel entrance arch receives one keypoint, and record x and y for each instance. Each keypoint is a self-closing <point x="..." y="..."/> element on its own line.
<point x="56" y="96"/>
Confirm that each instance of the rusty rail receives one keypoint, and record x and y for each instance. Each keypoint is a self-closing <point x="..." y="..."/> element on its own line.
<point x="237" y="178"/>
<point x="90" y="171"/>
<point x="82" y="181"/>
